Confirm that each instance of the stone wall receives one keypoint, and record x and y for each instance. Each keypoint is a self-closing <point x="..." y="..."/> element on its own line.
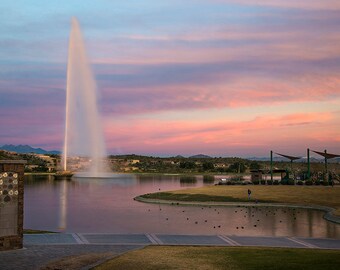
<point x="11" y="204"/>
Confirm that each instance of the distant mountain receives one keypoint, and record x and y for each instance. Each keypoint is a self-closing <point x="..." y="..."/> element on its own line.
<point x="311" y="159"/>
<point x="22" y="149"/>
<point x="337" y="160"/>
<point x="200" y="156"/>
<point x="267" y="158"/>
<point x="258" y="158"/>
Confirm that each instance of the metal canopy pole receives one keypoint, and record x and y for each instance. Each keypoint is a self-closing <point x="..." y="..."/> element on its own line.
<point x="308" y="162"/>
<point x="271" y="166"/>
<point x="326" y="167"/>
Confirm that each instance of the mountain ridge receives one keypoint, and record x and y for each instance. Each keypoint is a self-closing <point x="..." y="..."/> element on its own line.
<point x="200" y="156"/>
<point x="24" y="149"/>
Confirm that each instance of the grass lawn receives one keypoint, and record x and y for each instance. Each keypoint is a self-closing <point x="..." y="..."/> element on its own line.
<point x="167" y="257"/>
<point x="301" y="195"/>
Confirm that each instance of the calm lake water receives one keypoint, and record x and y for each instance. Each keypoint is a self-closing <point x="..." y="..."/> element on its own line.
<point x="106" y="206"/>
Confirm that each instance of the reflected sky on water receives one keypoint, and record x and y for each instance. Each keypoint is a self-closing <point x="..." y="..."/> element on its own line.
<point x="106" y="205"/>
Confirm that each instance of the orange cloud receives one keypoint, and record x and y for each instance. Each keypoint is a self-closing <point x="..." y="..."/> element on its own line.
<point x="256" y="135"/>
<point x="223" y="90"/>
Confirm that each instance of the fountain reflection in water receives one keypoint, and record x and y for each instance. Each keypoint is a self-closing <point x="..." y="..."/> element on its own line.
<point x="63" y="207"/>
<point x="83" y="129"/>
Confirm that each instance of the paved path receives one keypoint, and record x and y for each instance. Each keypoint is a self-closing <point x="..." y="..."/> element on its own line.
<point x="43" y="248"/>
<point x="168" y="239"/>
<point x="36" y="256"/>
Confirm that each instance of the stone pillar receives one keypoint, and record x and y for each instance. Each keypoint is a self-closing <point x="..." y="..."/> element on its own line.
<point x="11" y="204"/>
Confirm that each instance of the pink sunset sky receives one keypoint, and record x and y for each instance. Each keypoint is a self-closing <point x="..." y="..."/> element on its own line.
<point x="219" y="77"/>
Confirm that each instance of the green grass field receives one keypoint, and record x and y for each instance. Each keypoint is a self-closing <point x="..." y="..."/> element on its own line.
<point x="215" y="258"/>
<point x="299" y="195"/>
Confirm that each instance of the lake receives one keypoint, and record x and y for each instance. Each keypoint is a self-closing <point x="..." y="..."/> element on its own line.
<point x="87" y="205"/>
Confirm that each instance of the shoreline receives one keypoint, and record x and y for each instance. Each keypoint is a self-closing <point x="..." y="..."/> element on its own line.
<point x="329" y="216"/>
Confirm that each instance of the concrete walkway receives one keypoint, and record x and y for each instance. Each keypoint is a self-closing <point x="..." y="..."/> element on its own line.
<point x="43" y="248"/>
<point x="167" y="239"/>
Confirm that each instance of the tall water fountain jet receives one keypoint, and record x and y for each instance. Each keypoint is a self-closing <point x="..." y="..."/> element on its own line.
<point x="83" y="129"/>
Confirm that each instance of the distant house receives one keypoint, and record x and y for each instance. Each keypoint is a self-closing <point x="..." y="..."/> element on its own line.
<point x="170" y="162"/>
<point x="51" y="163"/>
<point x="129" y="169"/>
<point x="220" y="165"/>
<point x="31" y="167"/>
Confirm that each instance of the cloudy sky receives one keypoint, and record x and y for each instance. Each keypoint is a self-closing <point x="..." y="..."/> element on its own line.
<point x="219" y="77"/>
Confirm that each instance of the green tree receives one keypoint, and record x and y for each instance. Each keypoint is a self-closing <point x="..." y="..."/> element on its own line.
<point x="254" y="165"/>
<point x="237" y="167"/>
<point x="187" y="165"/>
<point x="207" y="166"/>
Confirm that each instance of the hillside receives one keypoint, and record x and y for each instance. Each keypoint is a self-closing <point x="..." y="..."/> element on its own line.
<point x="25" y="149"/>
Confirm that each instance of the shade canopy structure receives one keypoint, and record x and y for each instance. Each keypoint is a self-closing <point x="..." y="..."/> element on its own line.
<point x="292" y="158"/>
<point x="326" y="155"/>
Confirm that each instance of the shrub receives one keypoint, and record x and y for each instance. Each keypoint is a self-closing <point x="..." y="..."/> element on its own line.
<point x="256" y="182"/>
<point x="276" y="182"/>
<point x="236" y="178"/>
<point x="317" y="182"/>
<point x="269" y="182"/>
<point x="309" y="183"/>
<point x="300" y="183"/>
<point x="290" y="182"/>
<point x="263" y="182"/>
